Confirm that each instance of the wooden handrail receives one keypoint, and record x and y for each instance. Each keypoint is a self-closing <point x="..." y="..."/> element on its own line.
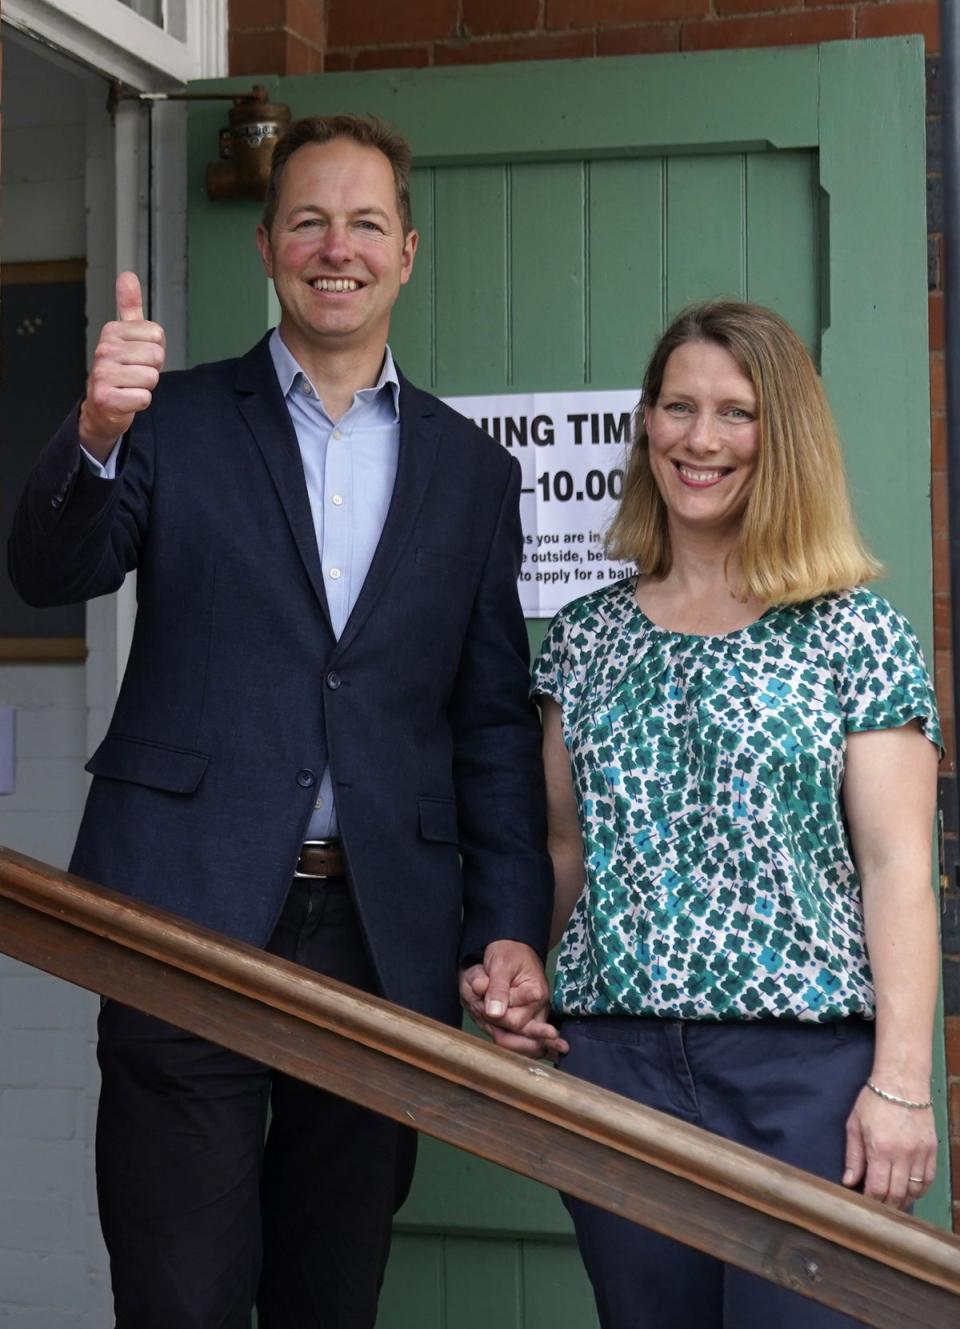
<point x="878" y="1266"/>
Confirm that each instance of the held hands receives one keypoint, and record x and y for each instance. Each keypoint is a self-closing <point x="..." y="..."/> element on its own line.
<point x="507" y="996"/>
<point x="892" y="1150"/>
<point x="126" y="368"/>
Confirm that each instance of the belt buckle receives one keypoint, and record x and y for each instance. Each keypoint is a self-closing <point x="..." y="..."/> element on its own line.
<point x="312" y="876"/>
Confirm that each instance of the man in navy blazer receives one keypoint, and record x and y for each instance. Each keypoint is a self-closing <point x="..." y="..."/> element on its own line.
<point x="322" y="744"/>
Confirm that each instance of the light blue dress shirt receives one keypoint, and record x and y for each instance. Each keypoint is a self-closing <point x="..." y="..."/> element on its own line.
<point x="350" y="466"/>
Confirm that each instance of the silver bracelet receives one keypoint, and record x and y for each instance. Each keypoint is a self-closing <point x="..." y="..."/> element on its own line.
<point x="892" y="1098"/>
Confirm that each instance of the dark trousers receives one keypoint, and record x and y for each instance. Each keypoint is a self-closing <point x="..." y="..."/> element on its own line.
<point x="202" y="1215"/>
<point x="782" y="1088"/>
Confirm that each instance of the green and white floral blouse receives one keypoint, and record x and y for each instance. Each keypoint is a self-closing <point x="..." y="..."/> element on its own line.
<point x="720" y="883"/>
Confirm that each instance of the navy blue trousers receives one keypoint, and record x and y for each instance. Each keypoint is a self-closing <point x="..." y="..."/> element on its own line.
<point x="783" y="1088"/>
<point x="203" y="1214"/>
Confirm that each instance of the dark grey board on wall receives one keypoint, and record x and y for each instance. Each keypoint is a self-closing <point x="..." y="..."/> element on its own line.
<point x="42" y="370"/>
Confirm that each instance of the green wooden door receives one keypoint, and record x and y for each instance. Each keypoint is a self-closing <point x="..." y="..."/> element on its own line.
<point x="566" y="209"/>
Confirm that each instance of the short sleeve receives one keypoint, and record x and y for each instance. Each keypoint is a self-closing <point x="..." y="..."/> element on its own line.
<point x="882" y="679"/>
<point x="550" y="667"/>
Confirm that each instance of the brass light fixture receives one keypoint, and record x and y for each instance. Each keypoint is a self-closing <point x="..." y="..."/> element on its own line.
<point x="246" y="141"/>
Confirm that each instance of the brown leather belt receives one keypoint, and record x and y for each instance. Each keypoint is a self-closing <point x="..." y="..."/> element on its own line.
<point x="320" y="858"/>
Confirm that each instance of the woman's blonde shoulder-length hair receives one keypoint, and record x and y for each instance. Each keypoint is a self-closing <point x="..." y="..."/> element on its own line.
<point x="798" y="537"/>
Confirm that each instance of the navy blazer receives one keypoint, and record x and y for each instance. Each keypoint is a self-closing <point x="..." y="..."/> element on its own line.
<point x="237" y="692"/>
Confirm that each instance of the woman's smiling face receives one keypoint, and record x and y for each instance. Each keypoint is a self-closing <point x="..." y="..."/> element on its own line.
<point x="703" y="438"/>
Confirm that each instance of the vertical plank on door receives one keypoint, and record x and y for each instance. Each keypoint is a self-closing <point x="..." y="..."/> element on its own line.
<point x="483" y="1284"/>
<point x="412" y="334"/>
<point x="625" y="213"/>
<point x="782" y="239"/>
<point x="556" y="1290"/>
<point x="548" y="287"/>
<point x="413" y="1289"/>
<point x="470" y="276"/>
<point x="704" y="229"/>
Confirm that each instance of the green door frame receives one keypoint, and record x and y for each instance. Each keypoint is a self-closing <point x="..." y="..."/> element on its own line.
<point x="858" y="105"/>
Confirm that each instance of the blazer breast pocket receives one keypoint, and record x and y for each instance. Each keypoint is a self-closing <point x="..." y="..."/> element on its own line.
<point x="445" y="563"/>
<point x="156" y="765"/>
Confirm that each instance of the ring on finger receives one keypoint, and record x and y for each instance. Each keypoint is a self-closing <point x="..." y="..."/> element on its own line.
<point x="917" y="1181"/>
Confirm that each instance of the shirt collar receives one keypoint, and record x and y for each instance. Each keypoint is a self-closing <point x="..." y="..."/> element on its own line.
<point x="288" y="371"/>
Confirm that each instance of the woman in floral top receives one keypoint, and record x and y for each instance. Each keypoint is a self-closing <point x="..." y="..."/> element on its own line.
<point x="741" y="747"/>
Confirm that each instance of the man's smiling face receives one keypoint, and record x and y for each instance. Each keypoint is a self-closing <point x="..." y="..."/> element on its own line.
<point x="336" y="249"/>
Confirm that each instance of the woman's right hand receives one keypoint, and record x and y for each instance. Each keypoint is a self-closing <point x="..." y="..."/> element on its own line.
<point x="891" y="1149"/>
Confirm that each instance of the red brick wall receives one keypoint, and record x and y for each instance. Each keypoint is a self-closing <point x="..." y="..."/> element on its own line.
<point x="385" y="34"/>
<point x="298" y="36"/>
<point x="276" y="36"/>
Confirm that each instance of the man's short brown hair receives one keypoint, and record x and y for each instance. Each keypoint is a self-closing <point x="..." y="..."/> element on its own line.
<point x="367" y="130"/>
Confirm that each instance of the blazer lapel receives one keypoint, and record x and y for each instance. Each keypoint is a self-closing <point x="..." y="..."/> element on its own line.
<point x="262" y="406"/>
<point x="419" y="438"/>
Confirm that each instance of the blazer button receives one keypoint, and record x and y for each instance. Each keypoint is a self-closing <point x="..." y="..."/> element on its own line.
<point x="306" y="778"/>
<point x="333" y="680"/>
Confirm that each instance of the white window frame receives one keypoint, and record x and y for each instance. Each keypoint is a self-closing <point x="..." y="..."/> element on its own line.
<point x="110" y="38"/>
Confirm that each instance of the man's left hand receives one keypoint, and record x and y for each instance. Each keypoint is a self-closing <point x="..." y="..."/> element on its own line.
<point x="508" y="996"/>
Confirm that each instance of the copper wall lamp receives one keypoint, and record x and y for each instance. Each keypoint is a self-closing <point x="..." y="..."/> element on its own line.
<point x="246" y="142"/>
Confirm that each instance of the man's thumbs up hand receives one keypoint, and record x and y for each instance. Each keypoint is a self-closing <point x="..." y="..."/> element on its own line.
<point x="126" y="368"/>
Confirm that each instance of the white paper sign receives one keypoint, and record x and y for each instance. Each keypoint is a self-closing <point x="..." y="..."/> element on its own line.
<point x="572" y="448"/>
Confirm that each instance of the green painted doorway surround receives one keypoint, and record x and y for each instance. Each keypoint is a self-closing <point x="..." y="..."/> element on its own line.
<point x="566" y="209"/>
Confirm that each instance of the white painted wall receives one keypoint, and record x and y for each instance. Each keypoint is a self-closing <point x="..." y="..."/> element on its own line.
<point x="57" y="162"/>
<point x="43" y="159"/>
<point x="40" y="817"/>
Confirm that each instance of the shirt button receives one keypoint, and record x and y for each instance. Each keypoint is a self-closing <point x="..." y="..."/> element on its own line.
<point x="337" y="499"/>
<point x="306" y="389"/>
<point x="333" y="680"/>
<point x="306" y="778"/>
<point x="334" y="573"/>
<point x="337" y="434"/>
